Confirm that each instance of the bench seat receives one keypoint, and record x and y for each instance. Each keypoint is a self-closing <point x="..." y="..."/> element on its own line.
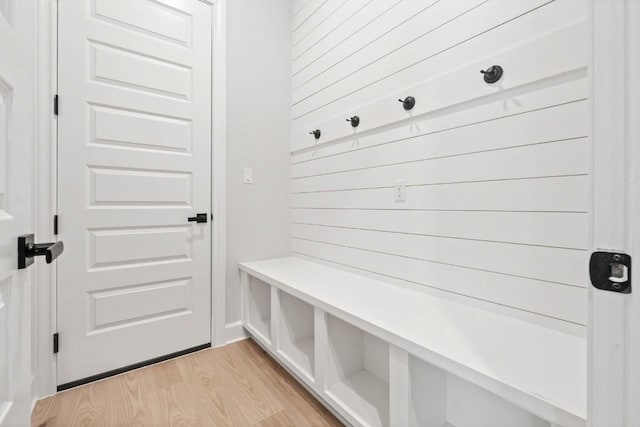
<point x="540" y="370"/>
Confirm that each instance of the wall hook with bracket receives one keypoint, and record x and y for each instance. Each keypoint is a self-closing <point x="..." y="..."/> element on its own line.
<point x="492" y="74"/>
<point x="408" y="103"/>
<point x="316" y="133"/>
<point x="355" y="121"/>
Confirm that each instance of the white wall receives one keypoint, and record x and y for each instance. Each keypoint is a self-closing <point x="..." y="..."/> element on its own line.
<point x="496" y="210"/>
<point x="258" y="111"/>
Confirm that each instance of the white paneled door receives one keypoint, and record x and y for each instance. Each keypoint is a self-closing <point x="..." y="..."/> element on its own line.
<point x="134" y="165"/>
<point x="17" y="126"/>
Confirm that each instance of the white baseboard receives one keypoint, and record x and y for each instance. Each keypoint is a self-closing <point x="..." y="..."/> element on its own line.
<point x="234" y="332"/>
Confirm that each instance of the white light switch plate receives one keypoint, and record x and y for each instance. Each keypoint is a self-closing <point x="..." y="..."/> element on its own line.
<point x="248" y="176"/>
<point x="400" y="190"/>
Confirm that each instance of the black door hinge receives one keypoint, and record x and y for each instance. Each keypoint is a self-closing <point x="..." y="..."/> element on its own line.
<point x="611" y="271"/>
<point x="56" y="343"/>
<point x="55" y="104"/>
<point x="55" y="225"/>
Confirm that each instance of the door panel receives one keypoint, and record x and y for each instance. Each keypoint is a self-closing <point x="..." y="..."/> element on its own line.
<point x="17" y="125"/>
<point x="134" y="164"/>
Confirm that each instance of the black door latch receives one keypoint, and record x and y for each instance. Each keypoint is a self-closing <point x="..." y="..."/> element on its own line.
<point x="611" y="271"/>
<point x="27" y="250"/>
<point x="200" y="218"/>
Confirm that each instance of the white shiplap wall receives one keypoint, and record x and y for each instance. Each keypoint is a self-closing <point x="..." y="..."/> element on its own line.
<point x="497" y="196"/>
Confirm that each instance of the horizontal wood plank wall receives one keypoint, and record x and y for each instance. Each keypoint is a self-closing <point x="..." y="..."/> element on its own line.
<point x="497" y="195"/>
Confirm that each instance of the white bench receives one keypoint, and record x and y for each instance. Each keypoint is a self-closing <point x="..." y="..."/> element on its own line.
<point x="382" y="355"/>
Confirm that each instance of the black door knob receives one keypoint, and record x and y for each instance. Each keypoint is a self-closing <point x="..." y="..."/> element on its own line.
<point x="200" y="218"/>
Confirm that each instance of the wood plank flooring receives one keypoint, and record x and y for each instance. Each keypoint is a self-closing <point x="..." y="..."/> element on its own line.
<point x="236" y="385"/>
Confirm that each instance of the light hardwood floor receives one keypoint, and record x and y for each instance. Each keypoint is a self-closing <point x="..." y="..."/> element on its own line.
<point x="236" y="385"/>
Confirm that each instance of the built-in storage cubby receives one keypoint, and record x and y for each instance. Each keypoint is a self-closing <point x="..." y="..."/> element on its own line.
<point x="259" y="309"/>
<point x="357" y="372"/>
<point x="379" y="355"/>
<point x="296" y="339"/>
<point x="439" y="399"/>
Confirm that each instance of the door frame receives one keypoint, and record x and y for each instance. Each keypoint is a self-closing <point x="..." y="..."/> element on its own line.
<point x="614" y="319"/>
<point x="219" y="173"/>
<point x="45" y="300"/>
<point x="44" y="295"/>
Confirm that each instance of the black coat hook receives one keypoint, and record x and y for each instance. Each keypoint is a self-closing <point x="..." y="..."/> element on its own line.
<point x="408" y="103"/>
<point x="492" y="74"/>
<point x="355" y="121"/>
<point x="316" y="133"/>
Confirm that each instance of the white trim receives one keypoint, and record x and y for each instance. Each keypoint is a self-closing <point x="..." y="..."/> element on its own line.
<point x="633" y="91"/>
<point x="218" y="265"/>
<point x="235" y="332"/>
<point x="45" y="198"/>
<point x="609" y="340"/>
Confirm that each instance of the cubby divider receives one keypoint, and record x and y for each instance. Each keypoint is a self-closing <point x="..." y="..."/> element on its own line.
<point x="296" y="341"/>
<point x="357" y="373"/>
<point x="258" y="311"/>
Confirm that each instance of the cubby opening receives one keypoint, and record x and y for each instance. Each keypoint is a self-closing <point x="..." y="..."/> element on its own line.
<point x="296" y="341"/>
<point x="358" y="373"/>
<point x="440" y="399"/>
<point x="259" y="313"/>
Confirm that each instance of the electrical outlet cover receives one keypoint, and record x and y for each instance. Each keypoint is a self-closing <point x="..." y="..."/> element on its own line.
<point x="400" y="191"/>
